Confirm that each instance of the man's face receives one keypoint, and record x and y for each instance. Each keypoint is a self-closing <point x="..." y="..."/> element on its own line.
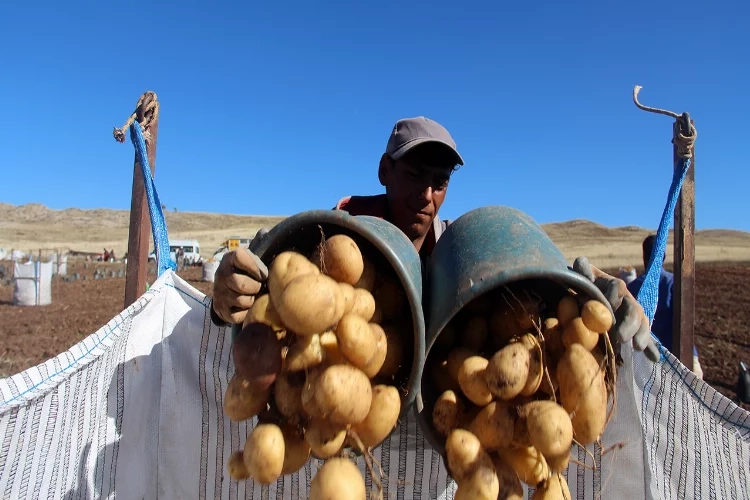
<point x="416" y="186"/>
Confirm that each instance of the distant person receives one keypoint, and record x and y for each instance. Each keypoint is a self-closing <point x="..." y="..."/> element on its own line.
<point x="179" y="254"/>
<point x="662" y="326"/>
<point x="628" y="274"/>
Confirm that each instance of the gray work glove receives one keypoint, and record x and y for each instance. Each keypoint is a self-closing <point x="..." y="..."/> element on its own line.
<point x="236" y="282"/>
<point x="631" y="322"/>
<point x="258" y="237"/>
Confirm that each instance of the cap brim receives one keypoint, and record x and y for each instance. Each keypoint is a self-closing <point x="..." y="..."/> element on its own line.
<point x="400" y="152"/>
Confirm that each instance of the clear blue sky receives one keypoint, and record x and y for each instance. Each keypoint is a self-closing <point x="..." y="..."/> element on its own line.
<point x="276" y="109"/>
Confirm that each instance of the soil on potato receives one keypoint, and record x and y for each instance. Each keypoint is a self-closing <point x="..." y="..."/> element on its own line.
<point x="31" y="335"/>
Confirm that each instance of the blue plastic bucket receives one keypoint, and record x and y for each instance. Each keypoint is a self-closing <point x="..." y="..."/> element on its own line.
<point x="376" y="237"/>
<point x="488" y="248"/>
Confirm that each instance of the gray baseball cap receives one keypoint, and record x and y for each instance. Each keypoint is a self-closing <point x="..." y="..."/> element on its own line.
<point x="411" y="132"/>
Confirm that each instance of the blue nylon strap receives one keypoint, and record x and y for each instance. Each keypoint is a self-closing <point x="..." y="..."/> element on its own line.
<point x="648" y="295"/>
<point x="158" y="224"/>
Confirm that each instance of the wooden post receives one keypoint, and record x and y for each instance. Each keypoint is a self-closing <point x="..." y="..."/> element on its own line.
<point x="139" y="233"/>
<point x="684" y="263"/>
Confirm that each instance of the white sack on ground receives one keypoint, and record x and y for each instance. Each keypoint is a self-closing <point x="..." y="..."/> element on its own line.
<point x="32" y="283"/>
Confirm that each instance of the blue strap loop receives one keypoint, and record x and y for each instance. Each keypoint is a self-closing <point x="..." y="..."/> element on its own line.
<point x="158" y="223"/>
<point x="648" y="295"/>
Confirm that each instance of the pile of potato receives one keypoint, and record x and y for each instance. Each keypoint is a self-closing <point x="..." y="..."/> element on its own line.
<point x="319" y="366"/>
<point x="520" y="381"/>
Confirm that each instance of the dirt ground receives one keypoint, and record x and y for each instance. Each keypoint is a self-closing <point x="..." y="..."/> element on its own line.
<point x="31" y="335"/>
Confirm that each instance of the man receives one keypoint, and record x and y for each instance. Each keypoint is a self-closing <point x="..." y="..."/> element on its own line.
<point x="663" y="317"/>
<point x="415" y="170"/>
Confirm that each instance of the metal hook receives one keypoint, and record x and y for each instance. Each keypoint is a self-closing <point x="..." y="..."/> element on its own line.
<point x="682" y="119"/>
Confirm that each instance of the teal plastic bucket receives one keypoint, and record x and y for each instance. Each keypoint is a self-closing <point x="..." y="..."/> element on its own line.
<point x="484" y="249"/>
<point x="377" y="237"/>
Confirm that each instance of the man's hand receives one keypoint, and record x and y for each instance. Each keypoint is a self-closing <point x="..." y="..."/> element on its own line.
<point x="238" y="279"/>
<point x="631" y="322"/>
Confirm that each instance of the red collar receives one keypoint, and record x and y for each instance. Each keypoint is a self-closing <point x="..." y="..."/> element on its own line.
<point x="377" y="206"/>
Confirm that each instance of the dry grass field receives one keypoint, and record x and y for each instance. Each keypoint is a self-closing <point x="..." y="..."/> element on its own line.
<point x="30" y="227"/>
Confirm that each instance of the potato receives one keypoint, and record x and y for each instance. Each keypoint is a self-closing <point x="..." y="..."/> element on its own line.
<point x="309" y="304"/>
<point x="331" y="353"/>
<point x="447" y="412"/>
<point x="304" y="353"/>
<point x="480" y="483"/>
<point x="550" y="428"/>
<point x="244" y="400"/>
<point x="347" y="294"/>
<point x="475" y="333"/>
<point x="284" y="268"/>
<point x="343" y="394"/>
<point x="583" y="393"/>
<point x="296" y="450"/>
<point x="263" y="312"/>
<point x="530" y="465"/>
<point x="567" y="309"/>
<point x="577" y="333"/>
<point x="510" y="486"/>
<point x="472" y="379"/>
<point x="257" y="354"/>
<point x="325" y="438"/>
<point x="508" y="371"/>
<point x="338" y="479"/>
<point x="493" y="426"/>
<point x="264" y="453"/>
<point x="340" y="305"/>
<point x="596" y="316"/>
<point x="236" y="467"/>
<point x="382" y="417"/>
<point x="391" y="298"/>
<point x="558" y="463"/>
<point x="536" y="366"/>
<point x="463" y="451"/>
<point x="287" y="393"/>
<point x="456" y="358"/>
<point x="356" y="340"/>
<point x="364" y="304"/>
<point x="342" y="259"/>
<point x="553" y="342"/>
<point x="374" y="365"/>
<point x="555" y="488"/>
<point x="521" y="437"/>
<point x="309" y="404"/>
<point x="394" y="357"/>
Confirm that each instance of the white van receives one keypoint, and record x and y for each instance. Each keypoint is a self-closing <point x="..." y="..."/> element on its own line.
<point x="190" y="250"/>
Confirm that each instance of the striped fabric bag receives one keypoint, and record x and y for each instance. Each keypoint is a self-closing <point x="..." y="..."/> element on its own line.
<point x="136" y="410"/>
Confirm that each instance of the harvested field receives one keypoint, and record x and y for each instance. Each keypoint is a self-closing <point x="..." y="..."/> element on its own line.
<point x="30" y="335"/>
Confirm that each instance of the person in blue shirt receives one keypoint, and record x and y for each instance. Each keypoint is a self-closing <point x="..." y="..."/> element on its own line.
<point x="663" y="318"/>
